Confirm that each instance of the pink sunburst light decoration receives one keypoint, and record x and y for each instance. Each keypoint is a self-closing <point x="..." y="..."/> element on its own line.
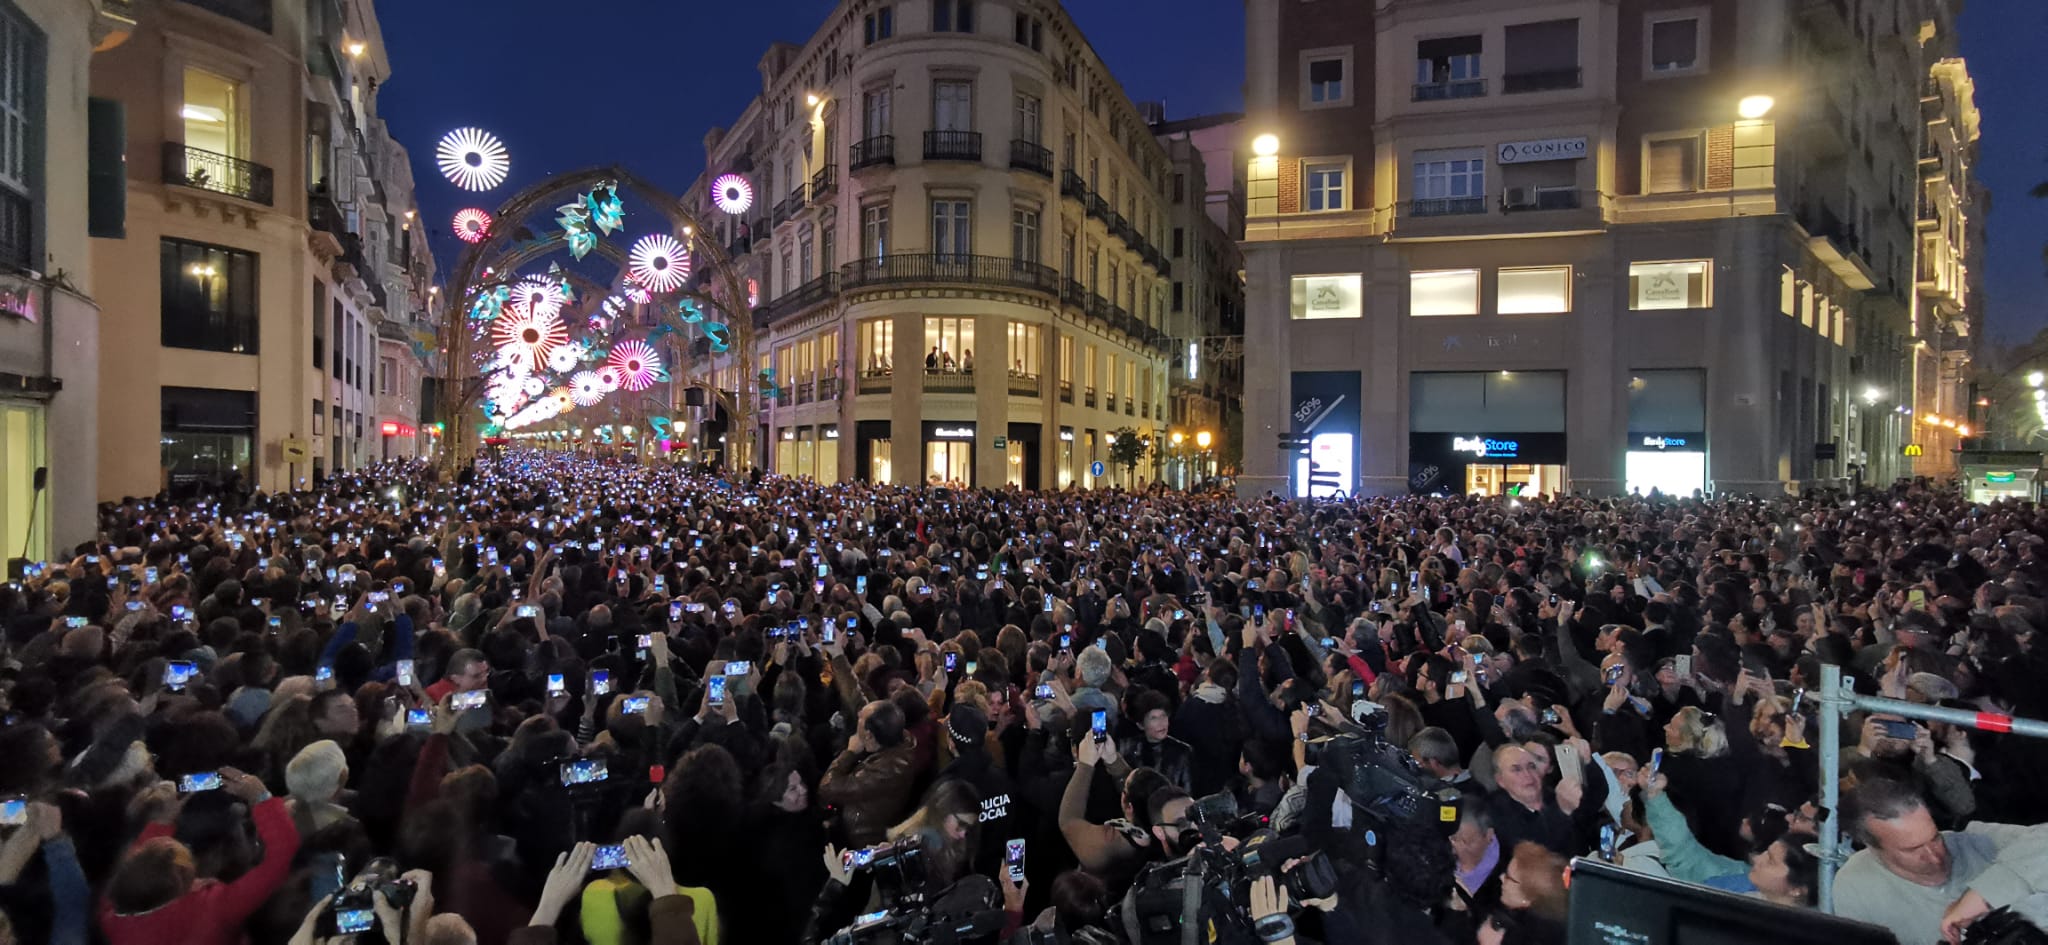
<point x="660" y="263"/>
<point x="472" y="225"/>
<point x="636" y="363"/>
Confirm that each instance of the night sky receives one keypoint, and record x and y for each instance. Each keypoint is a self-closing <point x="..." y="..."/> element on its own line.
<point x="638" y="82"/>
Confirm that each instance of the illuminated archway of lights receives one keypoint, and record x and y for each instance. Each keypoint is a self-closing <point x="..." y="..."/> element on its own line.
<point x="473" y="159"/>
<point x="472" y="225"/>
<point x="659" y="263"/>
<point x="538" y="296"/>
<point x="530" y="333"/>
<point x="637" y="365"/>
<point x="731" y="194"/>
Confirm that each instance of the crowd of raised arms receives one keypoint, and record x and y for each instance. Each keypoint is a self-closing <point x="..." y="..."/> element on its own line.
<point x="565" y="699"/>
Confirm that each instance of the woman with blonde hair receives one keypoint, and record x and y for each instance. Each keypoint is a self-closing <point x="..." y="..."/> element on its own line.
<point x="1705" y="783"/>
<point x="946" y="827"/>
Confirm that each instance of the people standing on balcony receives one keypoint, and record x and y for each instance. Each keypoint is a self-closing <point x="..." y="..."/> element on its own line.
<point x="931" y="361"/>
<point x="967" y="361"/>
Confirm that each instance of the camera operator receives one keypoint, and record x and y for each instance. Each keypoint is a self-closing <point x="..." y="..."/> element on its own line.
<point x="411" y="921"/>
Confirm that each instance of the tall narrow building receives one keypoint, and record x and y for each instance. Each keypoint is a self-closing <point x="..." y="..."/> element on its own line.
<point x="270" y="240"/>
<point x="1595" y="245"/>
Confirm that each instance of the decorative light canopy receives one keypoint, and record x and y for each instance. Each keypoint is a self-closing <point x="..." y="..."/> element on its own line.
<point x="472" y="225"/>
<point x="637" y="365"/>
<point x="564" y="358"/>
<point x="473" y="159"/>
<point x="659" y="263"/>
<point x="530" y="332"/>
<point x="731" y="194"/>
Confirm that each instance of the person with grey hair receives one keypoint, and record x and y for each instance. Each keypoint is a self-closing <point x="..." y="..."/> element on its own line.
<point x="1436" y="753"/>
<point x="1910" y="872"/>
<point x="1094" y="670"/>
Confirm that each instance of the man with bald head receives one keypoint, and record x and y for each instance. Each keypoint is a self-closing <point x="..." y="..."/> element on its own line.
<point x="1524" y="809"/>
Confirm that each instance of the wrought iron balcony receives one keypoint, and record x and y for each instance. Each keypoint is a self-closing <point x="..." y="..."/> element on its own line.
<point x="811" y="293"/>
<point x="1030" y="156"/>
<point x="824" y="181"/>
<point x="1071" y="185"/>
<point x="251" y="13"/>
<point x="1088" y="397"/>
<point x="952" y="145"/>
<point x="1446" y="206"/>
<point x="206" y="170"/>
<point x="949" y="267"/>
<point x="1066" y="392"/>
<point x="878" y="150"/>
<point x="1544" y="81"/>
<point x="1457" y="88"/>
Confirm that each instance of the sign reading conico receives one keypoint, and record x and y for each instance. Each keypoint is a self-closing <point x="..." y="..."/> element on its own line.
<point x="1542" y="149"/>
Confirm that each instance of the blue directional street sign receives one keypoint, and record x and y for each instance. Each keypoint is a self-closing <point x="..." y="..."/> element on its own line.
<point x="1095" y="468"/>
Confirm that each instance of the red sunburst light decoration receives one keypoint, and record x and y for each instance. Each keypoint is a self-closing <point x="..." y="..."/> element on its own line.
<point x="472" y="225"/>
<point x="530" y="333"/>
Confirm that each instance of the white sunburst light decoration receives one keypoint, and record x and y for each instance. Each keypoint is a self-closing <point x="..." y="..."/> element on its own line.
<point x="473" y="159"/>
<point x="587" y="388"/>
<point x="731" y="194"/>
<point x="660" y="263"/>
<point x="564" y="358"/>
<point x="538" y="297"/>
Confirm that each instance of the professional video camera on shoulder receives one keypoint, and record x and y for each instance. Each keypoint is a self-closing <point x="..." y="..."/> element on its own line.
<point x="968" y="912"/>
<point x="354" y="909"/>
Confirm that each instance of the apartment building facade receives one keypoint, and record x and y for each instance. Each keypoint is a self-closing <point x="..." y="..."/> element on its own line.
<point x="1950" y="208"/>
<point x="954" y="226"/>
<point x="1587" y="245"/>
<point x="1205" y="302"/>
<point x="49" y="320"/>
<point x="274" y="212"/>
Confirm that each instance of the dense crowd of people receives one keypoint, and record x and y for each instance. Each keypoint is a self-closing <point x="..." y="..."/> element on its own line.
<point x="562" y="699"/>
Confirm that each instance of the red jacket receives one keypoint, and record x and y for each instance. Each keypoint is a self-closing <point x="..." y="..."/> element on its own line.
<point x="212" y="913"/>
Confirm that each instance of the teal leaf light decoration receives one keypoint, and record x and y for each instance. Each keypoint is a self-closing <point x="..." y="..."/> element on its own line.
<point x="690" y="311"/>
<point x="720" y="335"/>
<point x="581" y="243"/>
<point x="490" y="303"/>
<point x="606" y="211"/>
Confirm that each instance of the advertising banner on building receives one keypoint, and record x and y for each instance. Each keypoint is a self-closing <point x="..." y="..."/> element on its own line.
<point x="1324" y="410"/>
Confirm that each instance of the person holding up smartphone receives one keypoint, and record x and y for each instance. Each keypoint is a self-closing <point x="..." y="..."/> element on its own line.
<point x="140" y="908"/>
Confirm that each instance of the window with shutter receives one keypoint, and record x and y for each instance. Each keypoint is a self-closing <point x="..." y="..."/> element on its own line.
<point x="1674" y="45"/>
<point x="1672" y="165"/>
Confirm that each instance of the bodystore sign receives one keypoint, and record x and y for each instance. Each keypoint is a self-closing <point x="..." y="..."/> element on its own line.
<point x="1486" y="447"/>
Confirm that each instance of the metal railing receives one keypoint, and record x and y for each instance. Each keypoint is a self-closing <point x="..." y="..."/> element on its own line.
<point x="1544" y="81"/>
<point x="1071" y="185"/>
<point x="814" y="292"/>
<point x="805" y="389"/>
<point x="207" y="170"/>
<point x="828" y="386"/>
<point x="880" y="149"/>
<point x="1563" y="198"/>
<point x="949" y="267"/>
<point x="874" y="384"/>
<point x="1109" y="401"/>
<point x="1446" y="206"/>
<point x="250" y="13"/>
<point x="952" y="145"/>
<point x="1088" y="397"/>
<point x="823" y="181"/>
<point x="1066" y="392"/>
<point x="325" y="215"/>
<point x="1457" y="88"/>
<point x="1024" y="385"/>
<point x="940" y="382"/>
<point x="1098" y="207"/>
<point x="787" y="209"/>
<point x="1030" y="156"/>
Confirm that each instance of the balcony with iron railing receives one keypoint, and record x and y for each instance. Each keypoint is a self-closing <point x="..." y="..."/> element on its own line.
<point x="1446" y="206"/>
<point x="1520" y="199"/>
<point x="1066" y="392"/>
<point x="206" y="170"/>
<point x="1547" y="80"/>
<point x="254" y="14"/>
<point x="1024" y="385"/>
<point x="1449" y="89"/>
<point x="873" y="382"/>
<point x="1109" y="401"/>
<point x="815" y="292"/>
<point x="786" y="210"/>
<point x="952" y="145"/>
<point x="949" y="268"/>
<point x="948" y="382"/>
<point x="872" y="152"/>
<point x="806" y="389"/>
<point x="824" y="181"/>
<point x="1088" y="397"/>
<point x="1030" y="156"/>
<point x="1071" y="185"/>
<point x="1098" y="207"/>
<point x="1130" y="408"/>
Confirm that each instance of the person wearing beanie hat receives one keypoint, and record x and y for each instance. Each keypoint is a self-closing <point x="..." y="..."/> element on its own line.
<point x="966" y="730"/>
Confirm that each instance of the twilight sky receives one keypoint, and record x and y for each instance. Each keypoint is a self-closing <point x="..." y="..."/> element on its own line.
<point x="638" y="82"/>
